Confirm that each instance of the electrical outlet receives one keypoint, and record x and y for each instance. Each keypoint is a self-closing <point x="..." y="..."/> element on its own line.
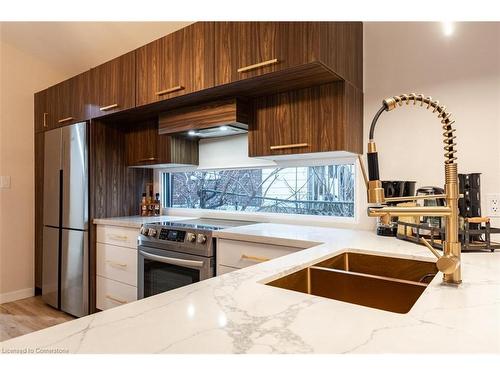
<point x="493" y="203"/>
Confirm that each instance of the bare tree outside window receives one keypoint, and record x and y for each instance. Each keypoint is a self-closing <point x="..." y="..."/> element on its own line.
<point x="320" y="190"/>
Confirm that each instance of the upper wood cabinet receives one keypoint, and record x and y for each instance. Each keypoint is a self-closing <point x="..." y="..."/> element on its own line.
<point x="177" y="64"/>
<point x="145" y="147"/>
<point x="318" y="119"/>
<point x="249" y="49"/>
<point x="46" y="106"/>
<point x="73" y="100"/>
<point x="66" y="103"/>
<point x="113" y="85"/>
<point x="41" y="111"/>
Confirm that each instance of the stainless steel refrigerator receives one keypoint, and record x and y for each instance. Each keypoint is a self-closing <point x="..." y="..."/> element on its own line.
<point x="65" y="276"/>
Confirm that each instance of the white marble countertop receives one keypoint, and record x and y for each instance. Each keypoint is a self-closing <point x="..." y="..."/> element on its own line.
<point x="136" y="221"/>
<point x="237" y="313"/>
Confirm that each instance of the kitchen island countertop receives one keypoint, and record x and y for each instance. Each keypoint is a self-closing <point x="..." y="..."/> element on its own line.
<point x="237" y="313"/>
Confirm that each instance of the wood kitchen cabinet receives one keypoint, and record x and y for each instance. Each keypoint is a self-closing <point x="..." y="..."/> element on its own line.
<point x="46" y="103"/>
<point x="41" y="111"/>
<point x="113" y="85"/>
<point x="145" y="147"/>
<point x="177" y="64"/>
<point x="318" y="119"/>
<point x="250" y="49"/>
<point x="63" y="104"/>
<point x="73" y="100"/>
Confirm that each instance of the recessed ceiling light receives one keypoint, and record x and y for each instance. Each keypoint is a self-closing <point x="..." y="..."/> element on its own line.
<point x="191" y="133"/>
<point x="223" y="128"/>
<point x="448" y="28"/>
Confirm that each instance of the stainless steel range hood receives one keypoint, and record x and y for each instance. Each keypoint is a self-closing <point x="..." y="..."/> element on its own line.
<point x="217" y="131"/>
<point x="212" y="120"/>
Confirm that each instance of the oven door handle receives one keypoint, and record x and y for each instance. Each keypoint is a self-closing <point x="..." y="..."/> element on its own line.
<point x="173" y="261"/>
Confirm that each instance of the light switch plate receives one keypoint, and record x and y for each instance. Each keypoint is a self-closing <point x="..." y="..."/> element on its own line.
<point x="493" y="205"/>
<point x="4" y="182"/>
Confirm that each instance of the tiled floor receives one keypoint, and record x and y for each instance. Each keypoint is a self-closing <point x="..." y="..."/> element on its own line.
<point x="28" y="315"/>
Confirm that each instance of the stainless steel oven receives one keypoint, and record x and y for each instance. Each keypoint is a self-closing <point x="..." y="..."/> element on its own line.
<point x="162" y="270"/>
<point x="174" y="254"/>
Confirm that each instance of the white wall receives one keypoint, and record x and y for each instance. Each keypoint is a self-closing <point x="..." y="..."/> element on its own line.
<point x="462" y="71"/>
<point x="20" y="76"/>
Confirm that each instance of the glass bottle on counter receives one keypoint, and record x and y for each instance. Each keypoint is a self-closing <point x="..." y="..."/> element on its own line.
<point x="144" y="205"/>
<point x="157" y="205"/>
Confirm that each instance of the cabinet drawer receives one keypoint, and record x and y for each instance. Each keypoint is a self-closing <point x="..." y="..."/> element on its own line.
<point x="119" y="236"/>
<point x="240" y="254"/>
<point x="117" y="263"/>
<point x="221" y="270"/>
<point x="111" y="293"/>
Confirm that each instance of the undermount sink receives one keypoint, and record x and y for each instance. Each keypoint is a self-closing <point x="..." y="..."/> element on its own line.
<point x="381" y="282"/>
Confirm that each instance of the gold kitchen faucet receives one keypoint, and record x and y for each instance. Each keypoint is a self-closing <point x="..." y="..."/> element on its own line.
<point x="449" y="262"/>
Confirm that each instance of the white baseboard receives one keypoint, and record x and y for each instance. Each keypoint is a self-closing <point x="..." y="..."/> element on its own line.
<point x="16" y="294"/>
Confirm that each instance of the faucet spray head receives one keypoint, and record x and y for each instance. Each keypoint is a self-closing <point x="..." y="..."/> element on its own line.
<point x="375" y="190"/>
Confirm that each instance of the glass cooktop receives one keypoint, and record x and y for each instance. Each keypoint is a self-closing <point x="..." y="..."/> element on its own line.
<point x="204" y="224"/>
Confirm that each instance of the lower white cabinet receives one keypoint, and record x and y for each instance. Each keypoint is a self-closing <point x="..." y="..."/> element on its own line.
<point x="116" y="266"/>
<point x="111" y="293"/>
<point x="119" y="236"/>
<point x="117" y="263"/>
<point x="234" y="254"/>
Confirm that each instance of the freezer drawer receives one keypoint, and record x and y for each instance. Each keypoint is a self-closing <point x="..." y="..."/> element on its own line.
<point x="74" y="272"/>
<point x="50" y="258"/>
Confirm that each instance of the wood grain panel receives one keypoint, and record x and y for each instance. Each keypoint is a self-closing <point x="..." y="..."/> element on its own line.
<point x="46" y="106"/>
<point x="41" y="111"/>
<point x="338" y="45"/>
<point x="184" y="58"/>
<point x="113" y="83"/>
<point x="73" y="100"/>
<point x="341" y="49"/>
<point x="322" y="118"/>
<point x="144" y="146"/>
<point x="231" y="111"/>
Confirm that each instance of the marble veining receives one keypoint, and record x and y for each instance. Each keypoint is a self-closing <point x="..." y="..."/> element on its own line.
<point x="238" y="313"/>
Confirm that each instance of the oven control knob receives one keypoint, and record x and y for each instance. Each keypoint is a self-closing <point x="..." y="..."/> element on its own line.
<point x="152" y="232"/>
<point x="191" y="237"/>
<point x="202" y="238"/>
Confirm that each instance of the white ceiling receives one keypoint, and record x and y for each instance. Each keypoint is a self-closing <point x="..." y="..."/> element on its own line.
<point x="74" y="47"/>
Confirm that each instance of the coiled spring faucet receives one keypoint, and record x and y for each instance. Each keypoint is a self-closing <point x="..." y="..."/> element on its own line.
<point x="449" y="262"/>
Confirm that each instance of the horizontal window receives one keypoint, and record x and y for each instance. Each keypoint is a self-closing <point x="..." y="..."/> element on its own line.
<point x="314" y="190"/>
